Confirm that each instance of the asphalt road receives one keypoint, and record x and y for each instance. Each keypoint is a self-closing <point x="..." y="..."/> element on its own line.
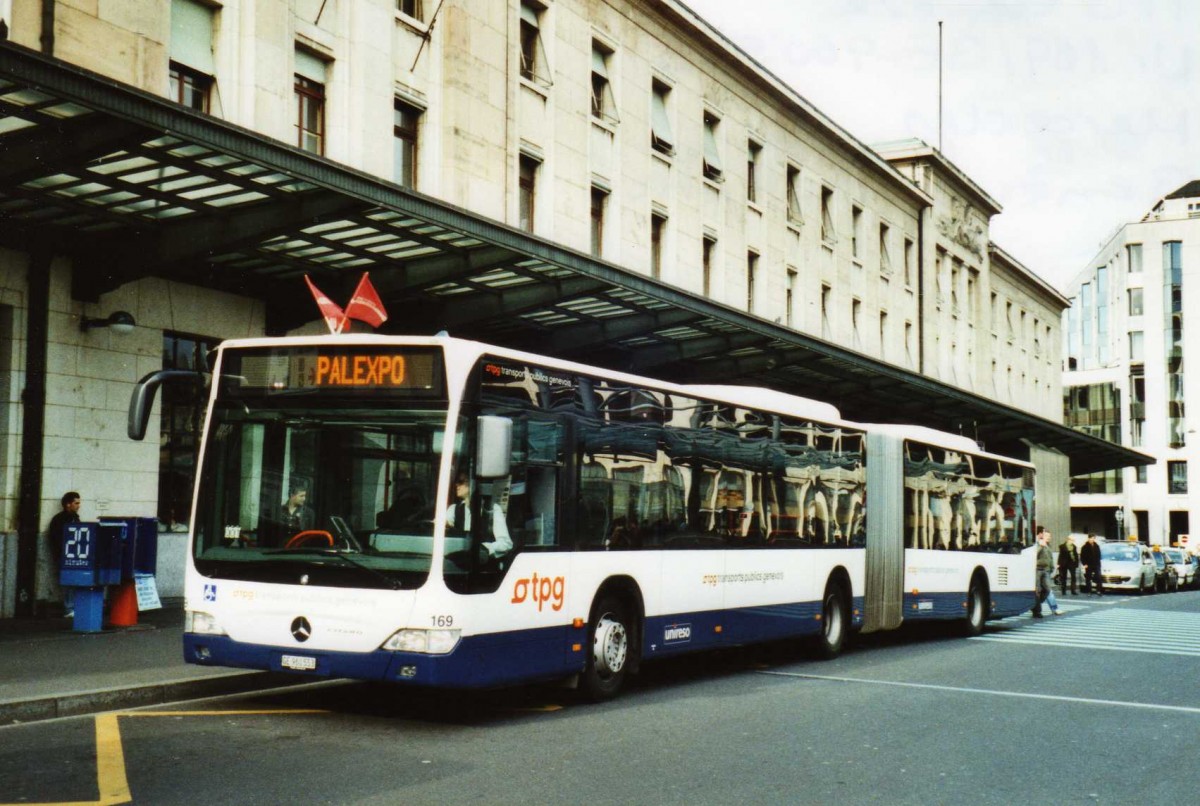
<point x="1094" y="707"/>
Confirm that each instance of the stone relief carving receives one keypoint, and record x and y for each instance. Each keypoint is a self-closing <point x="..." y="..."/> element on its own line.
<point x="965" y="226"/>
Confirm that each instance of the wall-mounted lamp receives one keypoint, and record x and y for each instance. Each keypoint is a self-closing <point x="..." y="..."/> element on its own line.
<point x="120" y="322"/>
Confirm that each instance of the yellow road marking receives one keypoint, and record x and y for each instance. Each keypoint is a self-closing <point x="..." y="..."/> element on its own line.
<point x="111" y="780"/>
<point x="264" y="712"/>
<point x="110" y="761"/>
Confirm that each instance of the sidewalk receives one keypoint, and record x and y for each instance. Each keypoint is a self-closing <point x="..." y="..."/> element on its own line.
<point x="48" y="670"/>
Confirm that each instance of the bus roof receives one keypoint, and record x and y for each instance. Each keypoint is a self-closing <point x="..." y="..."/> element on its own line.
<point x="754" y="397"/>
<point x="939" y="439"/>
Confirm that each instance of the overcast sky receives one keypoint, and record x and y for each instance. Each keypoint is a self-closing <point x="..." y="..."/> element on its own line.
<point x="1075" y="116"/>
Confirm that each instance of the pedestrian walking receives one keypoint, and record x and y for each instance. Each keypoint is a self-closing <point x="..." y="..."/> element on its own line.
<point x="1089" y="558"/>
<point x="1044" y="586"/>
<point x="54" y="535"/>
<point x="1068" y="566"/>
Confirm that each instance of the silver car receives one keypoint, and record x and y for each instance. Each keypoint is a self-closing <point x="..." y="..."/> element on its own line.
<point x="1185" y="566"/>
<point x="1127" y="566"/>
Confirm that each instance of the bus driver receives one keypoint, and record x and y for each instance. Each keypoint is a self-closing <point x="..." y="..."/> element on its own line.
<point x="458" y="520"/>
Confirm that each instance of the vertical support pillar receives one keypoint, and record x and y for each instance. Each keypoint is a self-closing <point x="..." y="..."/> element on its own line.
<point x="33" y="428"/>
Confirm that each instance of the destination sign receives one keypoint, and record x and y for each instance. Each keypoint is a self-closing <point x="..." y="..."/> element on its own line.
<point x="411" y="370"/>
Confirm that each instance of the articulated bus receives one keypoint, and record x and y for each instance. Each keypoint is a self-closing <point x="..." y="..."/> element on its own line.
<point x="439" y="512"/>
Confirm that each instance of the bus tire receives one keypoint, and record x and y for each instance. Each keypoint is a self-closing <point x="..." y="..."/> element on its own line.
<point x="977" y="607"/>
<point x="835" y="620"/>
<point x="610" y="655"/>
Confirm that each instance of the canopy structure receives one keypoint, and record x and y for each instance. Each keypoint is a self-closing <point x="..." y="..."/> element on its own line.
<point x="130" y="185"/>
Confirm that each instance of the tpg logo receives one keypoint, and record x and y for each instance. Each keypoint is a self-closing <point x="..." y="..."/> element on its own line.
<point x="677" y="633"/>
<point x="542" y="590"/>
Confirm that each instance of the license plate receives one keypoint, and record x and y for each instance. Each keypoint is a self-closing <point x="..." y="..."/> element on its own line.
<point x="299" y="663"/>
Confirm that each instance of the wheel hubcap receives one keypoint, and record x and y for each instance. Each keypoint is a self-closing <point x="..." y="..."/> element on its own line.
<point x="610" y="646"/>
<point x="833" y="620"/>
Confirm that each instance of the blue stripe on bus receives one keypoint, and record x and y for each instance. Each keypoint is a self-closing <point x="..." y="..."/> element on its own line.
<point x="953" y="605"/>
<point x="506" y="658"/>
<point x="477" y="662"/>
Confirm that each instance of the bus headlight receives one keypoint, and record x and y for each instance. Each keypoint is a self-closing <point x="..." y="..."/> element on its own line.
<point x="426" y="642"/>
<point x="201" y="623"/>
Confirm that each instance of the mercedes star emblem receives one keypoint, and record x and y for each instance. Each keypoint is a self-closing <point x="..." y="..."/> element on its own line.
<point x="301" y="629"/>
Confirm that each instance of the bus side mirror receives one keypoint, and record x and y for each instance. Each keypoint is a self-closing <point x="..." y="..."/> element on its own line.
<point x="494" y="448"/>
<point x="142" y="400"/>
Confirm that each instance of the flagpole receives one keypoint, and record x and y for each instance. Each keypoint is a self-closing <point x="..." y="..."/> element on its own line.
<point x="940" y="86"/>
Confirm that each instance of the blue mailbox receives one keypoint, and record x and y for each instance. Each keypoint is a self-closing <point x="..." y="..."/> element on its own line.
<point x="116" y="552"/>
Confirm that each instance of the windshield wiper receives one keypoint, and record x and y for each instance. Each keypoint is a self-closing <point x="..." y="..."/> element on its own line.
<point x="341" y="554"/>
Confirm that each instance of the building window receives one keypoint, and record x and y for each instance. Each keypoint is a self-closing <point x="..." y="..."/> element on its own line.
<point x="828" y="234"/>
<point x="190" y="88"/>
<point x="794" y="214"/>
<point x="751" y="276"/>
<point x="527" y="192"/>
<point x="908" y="262"/>
<point x="1137" y="405"/>
<point x="1134" y="251"/>
<point x="182" y="417"/>
<point x="908" y="342"/>
<point x="706" y="261"/>
<point x="1140" y="476"/>
<point x="1137" y="351"/>
<point x="1177" y="478"/>
<point x="404" y="144"/>
<point x="856" y="215"/>
<point x="310" y="102"/>
<point x="826" y="328"/>
<point x="534" y="66"/>
<point x="191" y="51"/>
<point x="1173" y="336"/>
<point x="955" y="274"/>
<point x="658" y="232"/>
<point x="599" y="202"/>
<point x="855" y="310"/>
<point x="1135" y="302"/>
<point x="412" y="8"/>
<point x="885" y="250"/>
<point x="753" y="153"/>
<point x="790" y="299"/>
<point x="883" y="334"/>
<point x="712" y="151"/>
<point x="603" y="106"/>
<point x="661" y="139"/>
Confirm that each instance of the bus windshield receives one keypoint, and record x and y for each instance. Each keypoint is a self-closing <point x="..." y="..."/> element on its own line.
<point x="318" y="495"/>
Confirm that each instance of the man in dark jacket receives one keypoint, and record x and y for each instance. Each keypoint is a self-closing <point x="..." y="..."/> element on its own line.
<point x="1089" y="557"/>
<point x="1068" y="562"/>
<point x="1044" y="586"/>
<point x="54" y="534"/>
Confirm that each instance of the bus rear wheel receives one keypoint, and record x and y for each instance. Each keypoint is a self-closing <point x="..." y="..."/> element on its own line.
<point x="834" y="620"/>
<point x="609" y="659"/>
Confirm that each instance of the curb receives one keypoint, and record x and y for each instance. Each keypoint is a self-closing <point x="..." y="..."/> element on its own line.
<point x="90" y="702"/>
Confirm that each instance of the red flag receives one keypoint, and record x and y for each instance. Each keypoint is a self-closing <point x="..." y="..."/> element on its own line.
<point x="334" y="317"/>
<point x="365" y="305"/>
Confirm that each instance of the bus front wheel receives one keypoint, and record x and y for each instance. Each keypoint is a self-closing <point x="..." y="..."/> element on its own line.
<point x="833" y="622"/>
<point x="977" y="608"/>
<point x="608" y="661"/>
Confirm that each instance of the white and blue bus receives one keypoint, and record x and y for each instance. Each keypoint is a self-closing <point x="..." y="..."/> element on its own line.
<point x="440" y="512"/>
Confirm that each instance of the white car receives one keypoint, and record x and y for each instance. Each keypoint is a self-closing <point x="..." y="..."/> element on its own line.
<point x="1127" y="566"/>
<point x="1185" y="566"/>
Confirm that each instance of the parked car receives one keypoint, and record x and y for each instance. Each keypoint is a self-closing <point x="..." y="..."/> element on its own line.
<point x="1166" y="578"/>
<point x="1186" y="566"/>
<point x="1127" y="566"/>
